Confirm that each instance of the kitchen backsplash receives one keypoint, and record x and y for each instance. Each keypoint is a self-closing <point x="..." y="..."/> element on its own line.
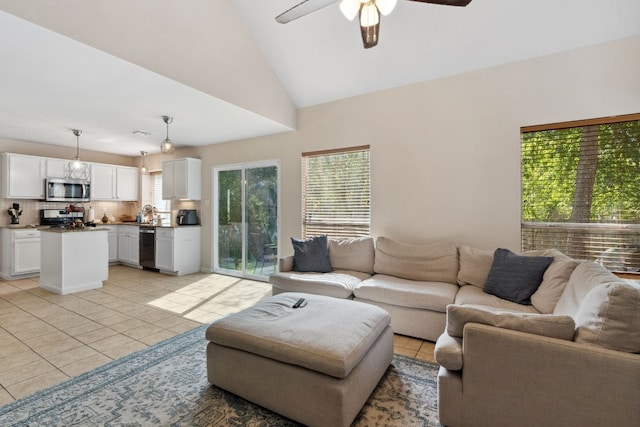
<point x="31" y="209"/>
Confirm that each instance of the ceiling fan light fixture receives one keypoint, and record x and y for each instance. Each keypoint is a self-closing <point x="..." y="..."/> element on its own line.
<point x="369" y="15"/>
<point x="350" y="8"/>
<point x="386" y="6"/>
<point x="167" y="147"/>
<point x="369" y="24"/>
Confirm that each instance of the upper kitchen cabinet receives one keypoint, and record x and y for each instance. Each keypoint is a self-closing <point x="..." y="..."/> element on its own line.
<point x="127" y="183"/>
<point x="23" y="176"/>
<point x="109" y="182"/>
<point x="181" y="179"/>
<point x="103" y="182"/>
<point x="56" y="168"/>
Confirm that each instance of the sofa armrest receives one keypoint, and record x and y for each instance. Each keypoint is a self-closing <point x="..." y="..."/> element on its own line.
<point x="513" y="376"/>
<point x="285" y="263"/>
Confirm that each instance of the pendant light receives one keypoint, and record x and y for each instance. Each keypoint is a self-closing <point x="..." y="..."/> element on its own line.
<point x="167" y="146"/>
<point x="144" y="170"/>
<point x="76" y="168"/>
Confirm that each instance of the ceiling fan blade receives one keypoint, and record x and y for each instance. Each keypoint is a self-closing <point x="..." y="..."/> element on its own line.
<point x="302" y="9"/>
<point x="446" y="2"/>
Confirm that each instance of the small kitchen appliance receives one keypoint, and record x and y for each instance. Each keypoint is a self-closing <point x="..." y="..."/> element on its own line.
<point x="187" y="217"/>
<point x="67" y="190"/>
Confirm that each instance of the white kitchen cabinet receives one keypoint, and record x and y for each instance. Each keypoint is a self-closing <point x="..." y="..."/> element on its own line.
<point x="112" y="237"/>
<point x="103" y="182"/>
<point x="20" y="253"/>
<point x="56" y="168"/>
<point x="164" y="249"/>
<point x="23" y="176"/>
<point x="181" y="179"/>
<point x="178" y="249"/>
<point x="26" y="251"/>
<point x="116" y="183"/>
<point x="129" y="245"/>
<point x="75" y="260"/>
<point x="127" y="183"/>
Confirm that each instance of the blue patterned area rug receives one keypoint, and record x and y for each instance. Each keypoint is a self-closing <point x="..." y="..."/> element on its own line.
<point x="166" y="385"/>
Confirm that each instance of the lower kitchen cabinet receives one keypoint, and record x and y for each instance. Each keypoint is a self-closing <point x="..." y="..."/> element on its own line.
<point x="113" y="243"/>
<point x="178" y="249"/>
<point x="129" y="245"/>
<point x="20" y="253"/>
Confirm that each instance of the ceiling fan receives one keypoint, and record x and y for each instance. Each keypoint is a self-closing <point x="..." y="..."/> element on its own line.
<point x="369" y="11"/>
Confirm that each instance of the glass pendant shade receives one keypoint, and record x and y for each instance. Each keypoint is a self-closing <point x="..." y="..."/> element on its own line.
<point x="167" y="146"/>
<point x="386" y="6"/>
<point x="144" y="170"/>
<point x="369" y="15"/>
<point x="76" y="168"/>
<point x="350" y="8"/>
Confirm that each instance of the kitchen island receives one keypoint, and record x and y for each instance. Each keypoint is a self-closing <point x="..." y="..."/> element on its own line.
<point x="73" y="260"/>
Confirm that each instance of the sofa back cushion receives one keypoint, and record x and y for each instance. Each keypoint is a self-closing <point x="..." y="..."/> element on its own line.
<point x="474" y="266"/>
<point x="609" y="316"/>
<point x="436" y="262"/>
<point x="586" y="276"/>
<point x="554" y="281"/>
<point x="548" y="325"/>
<point x="352" y="254"/>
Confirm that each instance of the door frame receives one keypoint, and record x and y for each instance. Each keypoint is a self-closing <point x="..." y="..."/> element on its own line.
<point x="214" y="217"/>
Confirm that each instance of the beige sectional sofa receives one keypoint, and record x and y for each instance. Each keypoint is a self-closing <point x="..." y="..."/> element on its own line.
<point x="568" y="356"/>
<point x="414" y="283"/>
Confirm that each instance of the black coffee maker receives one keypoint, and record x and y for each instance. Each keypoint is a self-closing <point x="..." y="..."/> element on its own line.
<point x="187" y="217"/>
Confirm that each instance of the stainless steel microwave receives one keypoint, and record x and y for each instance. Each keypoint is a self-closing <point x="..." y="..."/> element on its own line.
<point x="67" y="190"/>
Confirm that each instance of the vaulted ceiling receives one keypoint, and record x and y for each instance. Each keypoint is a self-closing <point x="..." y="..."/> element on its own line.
<point x="226" y="70"/>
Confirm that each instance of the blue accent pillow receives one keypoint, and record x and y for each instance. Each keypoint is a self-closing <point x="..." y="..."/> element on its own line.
<point x="515" y="277"/>
<point x="311" y="254"/>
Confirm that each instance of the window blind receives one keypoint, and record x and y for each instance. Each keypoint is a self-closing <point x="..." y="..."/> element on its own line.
<point x="336" y="193"/>
<point x="581" y="192"/>
<point x="163" y="207"/>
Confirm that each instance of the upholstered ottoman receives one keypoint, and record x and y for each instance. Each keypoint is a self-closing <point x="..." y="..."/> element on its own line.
<point x="315" y="364"/>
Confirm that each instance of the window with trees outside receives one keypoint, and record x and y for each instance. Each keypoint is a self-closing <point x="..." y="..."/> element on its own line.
<point x="336" y="193"/>
<point x="581" y="190"/>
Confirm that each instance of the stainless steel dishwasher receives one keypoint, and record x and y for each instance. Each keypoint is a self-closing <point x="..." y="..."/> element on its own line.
<point x="148" y="246"/>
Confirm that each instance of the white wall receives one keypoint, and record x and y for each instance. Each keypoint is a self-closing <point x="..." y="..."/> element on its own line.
<point x="445" y="154"/>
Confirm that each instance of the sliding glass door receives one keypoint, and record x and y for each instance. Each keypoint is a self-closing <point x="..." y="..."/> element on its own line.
<point x="246" y="219"/>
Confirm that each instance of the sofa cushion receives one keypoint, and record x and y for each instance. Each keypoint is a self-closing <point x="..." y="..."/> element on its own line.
<point x="561" y="327"/>
<point x="352" y="254"/>
<point x="475" y="296"/>
<point x="336" y="284"/>
<point x="515" y="277"/>
<point x="311" y="254"/>
<point x="609" y="316"/>
<point x="586" y="276"/>
<point x="555" y="279"/>
<point x="436" y="262"/>
<point x="474" y="266"/>
<point x="434" y="296"/>
<point x="448" y="352"/>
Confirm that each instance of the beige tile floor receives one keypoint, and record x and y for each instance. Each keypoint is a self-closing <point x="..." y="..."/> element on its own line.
<point x="47" y="338"/>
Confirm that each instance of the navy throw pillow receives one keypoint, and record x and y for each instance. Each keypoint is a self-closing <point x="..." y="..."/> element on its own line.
<point x="515" y="277"/>
<point x="311" y="254"/>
